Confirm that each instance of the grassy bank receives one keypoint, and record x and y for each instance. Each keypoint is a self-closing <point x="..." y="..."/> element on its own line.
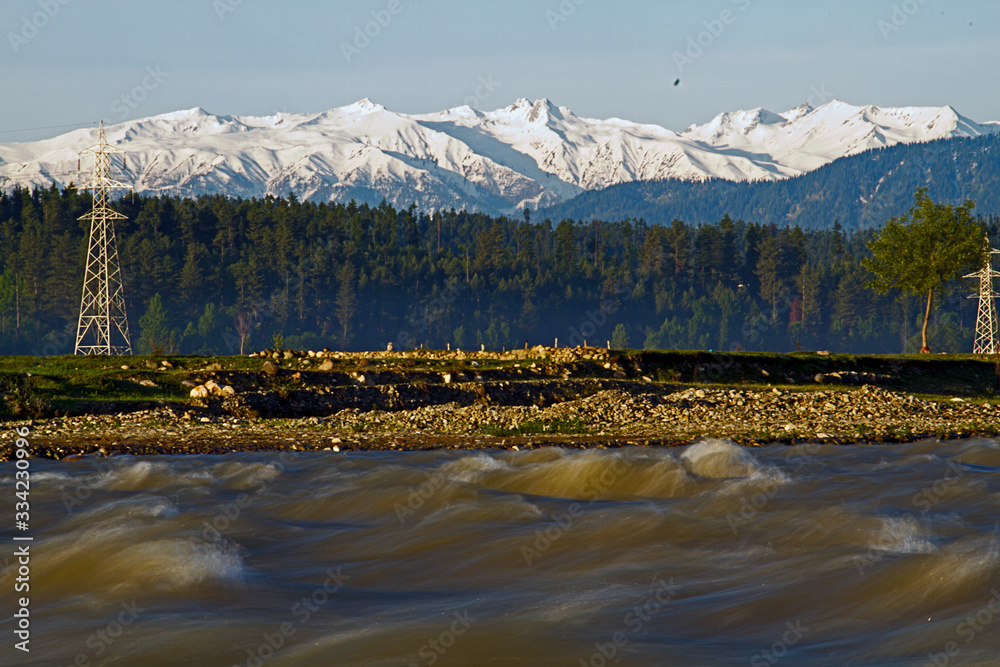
<point x="41" y="387"/>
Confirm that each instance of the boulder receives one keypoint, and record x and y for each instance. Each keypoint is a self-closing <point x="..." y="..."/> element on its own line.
<point x="327" y="365"/>
<point x="269" y="367"/>
<point x="199" y="392"/>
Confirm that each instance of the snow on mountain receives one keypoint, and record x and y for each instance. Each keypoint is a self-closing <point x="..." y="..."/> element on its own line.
<point x="528" y="154"/>
<point x="805" y="139"/>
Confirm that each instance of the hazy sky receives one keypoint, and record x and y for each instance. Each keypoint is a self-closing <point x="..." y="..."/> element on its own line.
<point x="77" y="61"/>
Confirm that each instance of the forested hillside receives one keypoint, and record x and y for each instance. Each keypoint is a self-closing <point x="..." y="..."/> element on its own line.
<point x="246" y="272"/>
<point x="861" y="191"/>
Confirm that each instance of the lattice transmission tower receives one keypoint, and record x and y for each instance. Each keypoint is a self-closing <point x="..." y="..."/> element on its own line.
<point x="103" y="325"/>
<point x="986" y="320"/>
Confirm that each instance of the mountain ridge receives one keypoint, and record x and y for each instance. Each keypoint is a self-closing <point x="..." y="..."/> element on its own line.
<point x="529" y="154"/>
<point x="859" y="191"/>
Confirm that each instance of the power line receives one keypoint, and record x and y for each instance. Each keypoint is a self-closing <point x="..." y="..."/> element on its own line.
<point x="48" y="173"/>
<point x="103" y="325"/>
<point x="48" y="127"/>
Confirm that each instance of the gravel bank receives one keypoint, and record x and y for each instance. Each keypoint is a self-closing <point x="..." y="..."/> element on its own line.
<point x="527" y="414"/>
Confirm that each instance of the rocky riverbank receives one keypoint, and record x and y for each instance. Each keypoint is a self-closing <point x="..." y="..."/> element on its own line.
<point x="527" y="398"/>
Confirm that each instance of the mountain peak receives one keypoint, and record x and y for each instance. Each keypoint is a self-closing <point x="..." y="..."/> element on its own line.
<point x="183" y="114"/>
<point x="529" y="153"/>
<point x="541" y="111"/>
<point x="800" y="111"/>
<point x="537" y="112"/>
<point x="463" y="110"/>
<point x="364" y="105"/>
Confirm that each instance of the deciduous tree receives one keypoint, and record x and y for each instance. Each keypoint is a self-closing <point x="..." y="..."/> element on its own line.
<point x="923" y="250"/>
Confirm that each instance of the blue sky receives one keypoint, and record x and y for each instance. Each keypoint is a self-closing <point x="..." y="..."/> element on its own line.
<point x="65" y="62"/>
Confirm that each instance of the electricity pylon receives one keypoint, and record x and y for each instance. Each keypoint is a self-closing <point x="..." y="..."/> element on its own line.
<point x="103" y="326"/>
<point x="986" y="320"/>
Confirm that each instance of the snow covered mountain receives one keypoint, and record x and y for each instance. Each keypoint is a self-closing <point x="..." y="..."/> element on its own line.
<point x="528" y="154"/>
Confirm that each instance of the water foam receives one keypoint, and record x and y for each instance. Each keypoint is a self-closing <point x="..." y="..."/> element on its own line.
<point x="901" y="535"/>
<point x="176" y="563"/>
<point x="471" y="468"/>
<point x="587" y="475"/>
<point x="139" y="475"/>
<point x="138" y="507"/>
<point x="719" y="459"/>
<point x="245" y="475"/>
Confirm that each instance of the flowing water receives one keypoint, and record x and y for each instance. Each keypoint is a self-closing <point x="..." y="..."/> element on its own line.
<point x="703" y="555"/>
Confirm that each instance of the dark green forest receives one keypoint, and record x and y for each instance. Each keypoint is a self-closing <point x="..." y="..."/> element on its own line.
<point x="212" y="275"/>
<point x="859" y="192"/>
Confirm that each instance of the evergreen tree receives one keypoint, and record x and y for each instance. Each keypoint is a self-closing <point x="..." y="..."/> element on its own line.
<point x="768" y="272"/>
<point x="7" y="306"/>
<point x="192" y="277"/>
<point x="679" y="241"/>
<point x="270" y="259"/>
<point x="154" y="329"/>
<point x="620" y="337"/>
<point x="347" y="301"/>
